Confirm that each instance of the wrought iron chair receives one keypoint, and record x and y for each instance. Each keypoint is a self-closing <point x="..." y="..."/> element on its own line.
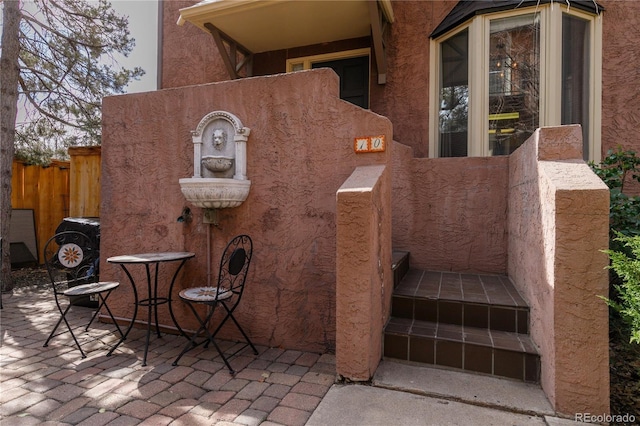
<point x="72" y="259"/>
<point x="232" y="276"/>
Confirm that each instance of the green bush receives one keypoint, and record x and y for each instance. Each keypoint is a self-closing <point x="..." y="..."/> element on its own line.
<point x="624" y="215"/>
<point x="617" y="168"/>
<point x="626" y="265"/>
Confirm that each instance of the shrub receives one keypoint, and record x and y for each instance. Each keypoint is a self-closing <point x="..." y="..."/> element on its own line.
<point x="617" y="168"/>
<point x="624" y="215"/>
<point x="627" y="266"/>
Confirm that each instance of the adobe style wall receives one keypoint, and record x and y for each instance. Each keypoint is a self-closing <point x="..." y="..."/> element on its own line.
<point x="450" y="214"/>
<point x="558" y="227"/>
<point x="404" y="99"/>
<point x="364" y="281"/>
<point x="299" y="153"/>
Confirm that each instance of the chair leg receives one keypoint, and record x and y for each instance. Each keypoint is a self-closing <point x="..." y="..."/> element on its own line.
<point x="74" y="337"/>
<point x="46" y="343"/>
<point x="230" y="315"/>
<point x="103" y="302"/>
<point x="209" y="337"/>
<point x="63" y="317"/>
<point x="192" y="340"/>
<point x="226" y="362"/>
<point x="95" y="314"/>
<point x="255" y="351"/>
<point x="126" y="333"/>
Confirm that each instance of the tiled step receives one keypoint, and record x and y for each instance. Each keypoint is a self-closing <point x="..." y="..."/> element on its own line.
<point x="399" y="266"/>
<point x="477" y="323"/>
<point x="499" y="353"/>
<point x="483" y="301"/>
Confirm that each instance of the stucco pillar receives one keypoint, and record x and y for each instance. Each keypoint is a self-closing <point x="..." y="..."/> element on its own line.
<point x="558" y="227"/>
<point x="363" y="276"/>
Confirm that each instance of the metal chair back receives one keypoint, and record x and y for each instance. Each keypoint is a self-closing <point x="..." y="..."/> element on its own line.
<point x="72" y="259"/>
<point x="234" y="266"/>
<point x="232" y="275"/>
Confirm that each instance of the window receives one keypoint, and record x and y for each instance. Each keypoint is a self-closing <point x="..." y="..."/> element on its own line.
<point x="454" y="96"/>
<point x="575" y="74"/>
<point x="514" y="81"/>
<point x="351" y="66"/>
<point x="500" y="76"/>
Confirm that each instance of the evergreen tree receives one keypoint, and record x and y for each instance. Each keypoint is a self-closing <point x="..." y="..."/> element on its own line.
<point x="57" y="64"/>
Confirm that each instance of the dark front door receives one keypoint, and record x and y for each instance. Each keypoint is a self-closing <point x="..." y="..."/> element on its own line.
<point x="354" y="78"/>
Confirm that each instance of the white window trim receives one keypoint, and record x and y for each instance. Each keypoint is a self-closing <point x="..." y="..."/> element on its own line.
<point x="550" y="84"/>
<point x="308" y="61"/>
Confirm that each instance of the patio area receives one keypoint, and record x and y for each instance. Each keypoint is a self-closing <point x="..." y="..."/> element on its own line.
<point x="54" y="385"/>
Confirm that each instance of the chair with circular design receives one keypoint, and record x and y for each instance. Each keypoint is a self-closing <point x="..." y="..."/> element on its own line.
<point x="232" y="276"/>
<point x="72" y="261"/>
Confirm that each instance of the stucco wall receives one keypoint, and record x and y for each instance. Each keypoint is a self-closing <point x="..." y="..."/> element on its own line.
<point x="620" y="78"/>
<point x="558" y="225"/>
<point x="451" y="213"/>
<point x="404" y="99"/>
<point x="189" y="55"/>
<point x="300" y="151"/>
<point x="364" y="281"/>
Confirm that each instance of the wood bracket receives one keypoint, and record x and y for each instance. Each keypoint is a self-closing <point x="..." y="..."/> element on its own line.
<point x="377" y="31"/>
<point x="230" y="54"/>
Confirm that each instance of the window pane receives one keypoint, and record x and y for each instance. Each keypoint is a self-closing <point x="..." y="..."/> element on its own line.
<point x="514" y="82"/>
<point x="454" y="96"/>
<point x="575" y="75"/>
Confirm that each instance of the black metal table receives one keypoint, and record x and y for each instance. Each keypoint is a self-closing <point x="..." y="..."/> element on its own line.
<point x="152" y="299"/>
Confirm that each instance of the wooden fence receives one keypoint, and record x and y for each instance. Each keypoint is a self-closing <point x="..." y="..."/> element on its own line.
<point x="63" y="189"/>
<point x="84" y="181"/>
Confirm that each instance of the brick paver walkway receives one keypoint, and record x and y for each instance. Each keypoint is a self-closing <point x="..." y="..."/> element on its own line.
<point x="54" y="385"/>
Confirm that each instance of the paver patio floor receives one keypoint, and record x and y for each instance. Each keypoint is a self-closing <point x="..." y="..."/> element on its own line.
<point x="54" y="385"/>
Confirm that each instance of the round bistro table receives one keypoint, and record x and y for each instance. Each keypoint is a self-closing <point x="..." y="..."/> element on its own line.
<point x="151" y="261"/>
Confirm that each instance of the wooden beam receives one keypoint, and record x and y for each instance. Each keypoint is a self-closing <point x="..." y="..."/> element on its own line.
<point x="223" y="51"/>
<point x="229" y="57"/>
<point x="378" y="44"/>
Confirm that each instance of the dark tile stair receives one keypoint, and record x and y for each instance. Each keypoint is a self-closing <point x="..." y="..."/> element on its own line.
<point x="476" y="323"/>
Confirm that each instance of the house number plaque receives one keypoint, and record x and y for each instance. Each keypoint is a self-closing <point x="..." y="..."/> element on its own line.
<point x="369" y="144"/>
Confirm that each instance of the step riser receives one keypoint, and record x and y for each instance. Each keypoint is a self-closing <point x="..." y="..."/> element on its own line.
<point x="475" y="323"/>
<point x="399" y="266"/>
<point x="503" y="318"/>
<point x="464" y="356"/>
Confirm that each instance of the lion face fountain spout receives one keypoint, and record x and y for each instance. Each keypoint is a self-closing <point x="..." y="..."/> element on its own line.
<point x="219" y="163"/>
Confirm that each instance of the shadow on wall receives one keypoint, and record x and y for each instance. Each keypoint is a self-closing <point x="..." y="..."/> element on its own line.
<point x="299" y="152"/>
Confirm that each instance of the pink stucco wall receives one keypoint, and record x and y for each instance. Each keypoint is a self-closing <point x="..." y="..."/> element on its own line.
<point x="364" y="281"/>
<point x="404" y="99"/>
<point x="542" y="223"/>
<point x="300" y="151"/>
<point x="558" y="225"/>
<point x="620" y="78"/>
<point x="198" y="63"/>
<point x="451" y="213"/>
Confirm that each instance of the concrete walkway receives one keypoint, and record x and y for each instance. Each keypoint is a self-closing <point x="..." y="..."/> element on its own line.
<point x="56" y="386"/>
<point x="405" y="394"/>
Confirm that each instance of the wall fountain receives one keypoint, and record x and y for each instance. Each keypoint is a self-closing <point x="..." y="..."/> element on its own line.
<point x="219" y="164"/>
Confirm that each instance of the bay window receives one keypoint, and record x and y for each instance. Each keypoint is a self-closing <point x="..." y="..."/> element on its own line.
<point x="499" y="76"/>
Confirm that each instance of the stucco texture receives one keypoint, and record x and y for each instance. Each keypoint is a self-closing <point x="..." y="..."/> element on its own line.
<point x="299" y="152"/>
<point x="404" y="98"/>
<point x="450" y="214"/>
<point x="189" y="56"/>
<point x="364" y="278"/>
<point x="558" y="227"/>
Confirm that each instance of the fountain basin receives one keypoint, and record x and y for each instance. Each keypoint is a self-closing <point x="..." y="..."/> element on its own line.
<point x="215" y="193"/>
<point x="217" y="164"/>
